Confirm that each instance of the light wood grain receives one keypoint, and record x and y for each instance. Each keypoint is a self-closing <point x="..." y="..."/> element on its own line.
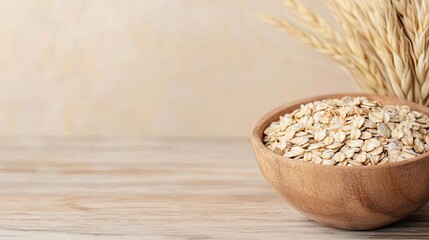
<point x="153" y="189"/>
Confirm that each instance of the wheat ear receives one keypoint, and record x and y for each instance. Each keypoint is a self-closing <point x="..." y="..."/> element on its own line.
<point x="385" y="44"/>
<point x="306" y="37"/>
<point x="313" y="21"/>
<point x="362" y="55"/>
<point x="415" y="18"/>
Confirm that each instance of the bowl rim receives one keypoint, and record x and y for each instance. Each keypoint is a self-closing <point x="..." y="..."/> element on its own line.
<point x="263" y="122"/>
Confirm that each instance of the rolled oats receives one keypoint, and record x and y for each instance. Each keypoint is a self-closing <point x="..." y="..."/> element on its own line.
<point x="320" y="134"/>
<point x="355" y="134"/>
<point x="365" y="135"/>
<point x="352" y="131"/>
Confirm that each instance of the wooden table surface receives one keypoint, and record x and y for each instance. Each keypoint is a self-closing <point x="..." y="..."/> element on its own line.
<point x="153" y="189"/>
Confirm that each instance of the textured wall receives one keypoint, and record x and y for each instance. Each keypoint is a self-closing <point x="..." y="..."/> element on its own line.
<point x="160" y="68"/>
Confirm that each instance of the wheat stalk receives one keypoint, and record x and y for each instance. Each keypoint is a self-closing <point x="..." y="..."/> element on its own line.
<point x="316" y="42"/>
<point x="367" y="64"/>
<point x="415" y="16"/>
<point x="353" y="50"/>
<point x="312" y="20"/>
<point x="384" y="43"/>
<point x="306" y="37"/>
<point x="392" y="48"/>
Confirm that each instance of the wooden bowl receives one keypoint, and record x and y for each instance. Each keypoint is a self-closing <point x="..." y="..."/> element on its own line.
<point x="354" y="198"/>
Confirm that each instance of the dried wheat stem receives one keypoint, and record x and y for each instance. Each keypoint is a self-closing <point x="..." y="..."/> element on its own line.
<point x="306" y="37"/>
<point x="415" y="18"/>
<point x="367" y="63"/>
<point x="400" y="50"/>
<point x="352" y="49"/>
<point x="322" y="46"/>
<point x="385" y="44"/>
<point x="313" y="21"/>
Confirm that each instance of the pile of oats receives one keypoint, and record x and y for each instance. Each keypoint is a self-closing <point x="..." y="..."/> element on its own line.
<point x="352" y="131"/>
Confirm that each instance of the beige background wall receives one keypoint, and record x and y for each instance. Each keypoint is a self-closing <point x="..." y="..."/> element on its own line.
<point x="151" y="68"/>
